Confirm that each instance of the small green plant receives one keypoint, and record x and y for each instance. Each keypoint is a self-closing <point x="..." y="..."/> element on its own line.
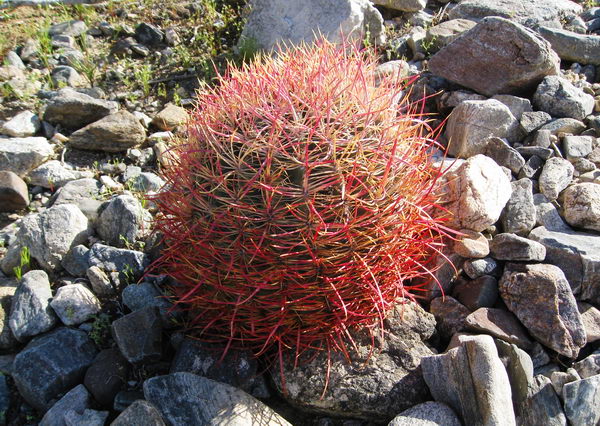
<point x="24" y="261"/>
<point x="128" y="273"/>
<point x="128" y="244"/>
<point x="143" y="75"/>
<point x="247" y="49"/>
<point x="100" y="332"/>
<point x="89" y="68"/>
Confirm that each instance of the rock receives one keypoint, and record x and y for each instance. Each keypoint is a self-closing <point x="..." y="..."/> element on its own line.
<point x="140" y="413"/>
<point x="403" y="5"/>
<point x="145" y="294"/>
<point x="21" y="125"/>
<point x="446" y="32"/>
<point x="473" y="122"/>
<point x="51" y="364"/>
<point x="532" y="168"/>
<point x="577" y="146"/>
<point x="519" y="368"/>
<point x="125" y="398"/>
<point x="500" y="324"/>
<point x="78" y="192"/>
<point x="479" y="267"/>
<point x="472" y="381"/>
<point x="74" y="110"/>
<point x="540" y="296"/>
<point x="476" y="193"/>
<point x="75" y="304"/>
<point x="531" y="121"/>
<point x="590" y="316"/>
<point x="13" y="192"/>
<point x="519" y="215"/>
<point x="275" y="21"/>
<point x="238" y="369"/>
<point x="112" y="259"/>
<point x="581" y="205"/>
<point x="556" y="176"/>
<point x="20" y="155"/>
<point x="170" y="117"/>
<point x="99" y="281"/>
<point x="547" y="215"/>
<point x="481" y="292"/>
<point x="511" y="247"/>
<point x="559" y="379"/>
<point x="564" y="125"/>
<point x="445" y="272"/>
<point x="573" y="47"/>
<point x="578" y="255"/>
<point x="123" y="221"/>
<point x="426" y="414"/>
<point x="517" y="106"/>
<point x="65" y="75"/>
<point x="471" y="244"/>
<point x="503" y="154"/>
<point x="70" y="28"/>
<point x="394" y="367"/>
<point x="559" y="98"/>
<point x="114" y="133"/>
<point x="30" y="312"/>
<point x="589" y="366"/>
<point x="146" y="182"/>
<point x="7" y="338"/>
<point x="148" y="34"/>
<point x="139" y="335"/>
<point x="87" y="418"/>
<point x="542" y="406"/>
<point x="543" y="138"/>
<point x="508" y="57"/>
<point x="106" y="376"/>
<point x="51" y="234"/>
<point x="53" y="174"/>
<point x="450" y="315"/>
<point x="527" y="12"/>
<point x="76" y="400"/>
<point x="582" y="401"/>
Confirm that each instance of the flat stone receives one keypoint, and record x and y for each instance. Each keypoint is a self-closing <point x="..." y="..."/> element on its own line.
<point x="116" y="132"/>
<point x="139" y="335"/>
<point x="22" y="125"/>
<point x="79" y="192"/>
<point x="481" y="292"/>
<point x="427" y="414"/>
<point x="589" y="366"/>
<point x="472" y="381"/>
<point x="53" y="174"/>
<point x="446" y="32"/>
<point x="503" y="154"/>
<point x="573" y="47"/>
<point x="581" y="205"/>
<point x="14" y="194"/>
<point x="106" y="376"/>
<point x="540" y="296"/>
<point x="556" y="176"/>
<point x="511" y="247"/>
<point x="77" y="400"/>
<point x="582" y="401"/>
<point x="69" y="28"/>
<point x="184" y="399"/>
<point x="519" y="215"/>
<point x="479" y="267"/>
<point x="75" y="304"/>
<point x="450" y="315"/>
<point x="471" y="244"/>
<point x="112" y="259"/>
<point x="403" y="5"/>
<point x="170" y="117"/>
<point x="123" y="221"/>
<point x="531" y="121"/>
<point x="559" y="98"/>
<point x="564" y="125"/>
<point x="539" y="151"/>
<point x="577" y="146"/>
<point x="500" y="324"/>
<point x="148" y="34"/>
<point x="52" y="364"/>
<point x="542" y="405"/>
<point x="140" y="413"/>
<point x="74" y="110"/>
<point x="509" y="58"/>
<point x="30" y="312"/>
<point x="21" y="155"/>
<point x="277" y="21"/>
<point x="591" y="321"/>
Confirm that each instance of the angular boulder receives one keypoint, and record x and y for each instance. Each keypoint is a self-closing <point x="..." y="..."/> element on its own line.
<point x="114" y="133"/>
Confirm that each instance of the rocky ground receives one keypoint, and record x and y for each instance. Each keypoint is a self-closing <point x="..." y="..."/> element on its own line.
<point x="91" y="97"/>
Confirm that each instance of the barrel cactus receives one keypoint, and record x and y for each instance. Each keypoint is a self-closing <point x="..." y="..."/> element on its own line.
<point x="301" y="205"/>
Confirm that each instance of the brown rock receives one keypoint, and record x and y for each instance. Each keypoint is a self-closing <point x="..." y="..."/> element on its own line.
<point x="591" y="321"/>
<point x="450" y="315"/>
<point x="13" y="192"/>
<point x="481" y="292"/>
<point x="498" y="323"/>
<point x="114" y="133"/>
<point x="170" y="117"/>
<point x="471" y="244"/>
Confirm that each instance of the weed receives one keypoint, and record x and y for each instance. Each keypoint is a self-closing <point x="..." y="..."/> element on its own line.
<point x="89" y="68"/>
<point x="247" y="49"/>
<point x="128" y="273"/>
<point x="143" y="75"/>
<point x="100" y="332"/>
<point x="24" y="261"/>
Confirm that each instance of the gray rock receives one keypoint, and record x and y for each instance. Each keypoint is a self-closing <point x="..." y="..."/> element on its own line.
<point x="145" y="294"/>
<point x="106" y="376"/>
<point x="489" y="47"/>
<point x="564" y="125"/>
<point x="139" y="335"/>
<point x="517" y="106"/>
<point x="74" y="110"/>
<point x="275" y="21"/>
<point x="511" y="247"/>
<point x="394" y="367"/>
<point x="500" y="324"/>
<point x="479" y="267"/>
<point x="7" y="291"/>
<point x="78" y="192"/>
<point x="76" y="400"/>
<point x="526" y="12"/>
<point x="99" y="281"/>
<point x="30" y="313"/>
<point x="578" y="255"/>
<point x="504" y="155"/>
<point x="581" y="205"/>
<point x="403" y="5"/>
<point x="472" y="381"/>
<point x="76" y="261"/>
<point x="22" y="125"/>
<point x="20" y="155"/>
<point x="140" y="413"/>
<point x="543" y="139"/>
<point x="481" y="292"/>
<point x="13" y="192"/>
<point x="540" y="151"/>
<point x="87" y="418"/>
<point x="184" y="399"/>
<point x="532" y="168"/>
<point x="519" y="368"/>
<point x="542" y="406"/>
<point x="582" y="401"/>
<point x="70" y="28"/>
<point x="236" y="368"/>
<point x="427" y="414"/>
<point x="51" y="234"/>
<point x="559" y="379"/>
<point x="519" y="215"/>
<point x="591" y="321"/>
<point x="547" y="215"/>
<point x="577" y="146"/>
<point x="53" y="174"/>
<point x="450" y="315"/>
<point x="123" y="222"/>
<point x="531" y="121"/>
<point x="125" y="398"/>
<point x="476" y="193"/>
<point x="65" y="75"/>
<point x="540" y="296"/>
<point x="149" y="34"/>
<point x="473" y="122"/>
<point x="589" y="366"/>
<point x="444" y="33"/>
<point x="147" y="182"/>
<point x="556" y="176"/>
<point x="559" y="98"/>
<point x="573" y="47"/>
<point x="114" y="133"/>
<point x="112" y="259"/>
<point x="75" y="304"/>
<point x="52" y="364"/>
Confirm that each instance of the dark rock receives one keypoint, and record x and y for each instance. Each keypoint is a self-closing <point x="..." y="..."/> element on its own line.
<point x="77" y="400"/>
<point x="503" y="154"/>
<point x="582" y="401"/>
<point x="547" y="215"/>
<point x="500" y="324"/>
<point x="139" y="335"/>
<point x="542" y="405"/>
<point x="116" y="132"/>
<point x="148" y="34"/>
<point x="573" y="47"/>
<point x="532" y="168"/>
<point x="508" y="246"/>
<point x="112" y="259"/>
<point x="87" y="418"/>
<point x="450" y="315"/>
<point x="589" y="366"/>
<point x="13" y="192"/>
<point x="508" y="58"/>
<point x="106" y="376"/>
<point x="124" y="399"/>
<point x="145" y="294"/>
<point x="519" y="368"/>
<point x="74" y="110"/>
<point x="69" y="28"/>
<point x="52" y="364"/>
<point x="519" y="215"/>
<point x="528" y="151"/>
<point x="481" y="292"/>
<point x="140" y="413"/>
<point x="76" y="261"/>
<point x="531" y="121"/>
